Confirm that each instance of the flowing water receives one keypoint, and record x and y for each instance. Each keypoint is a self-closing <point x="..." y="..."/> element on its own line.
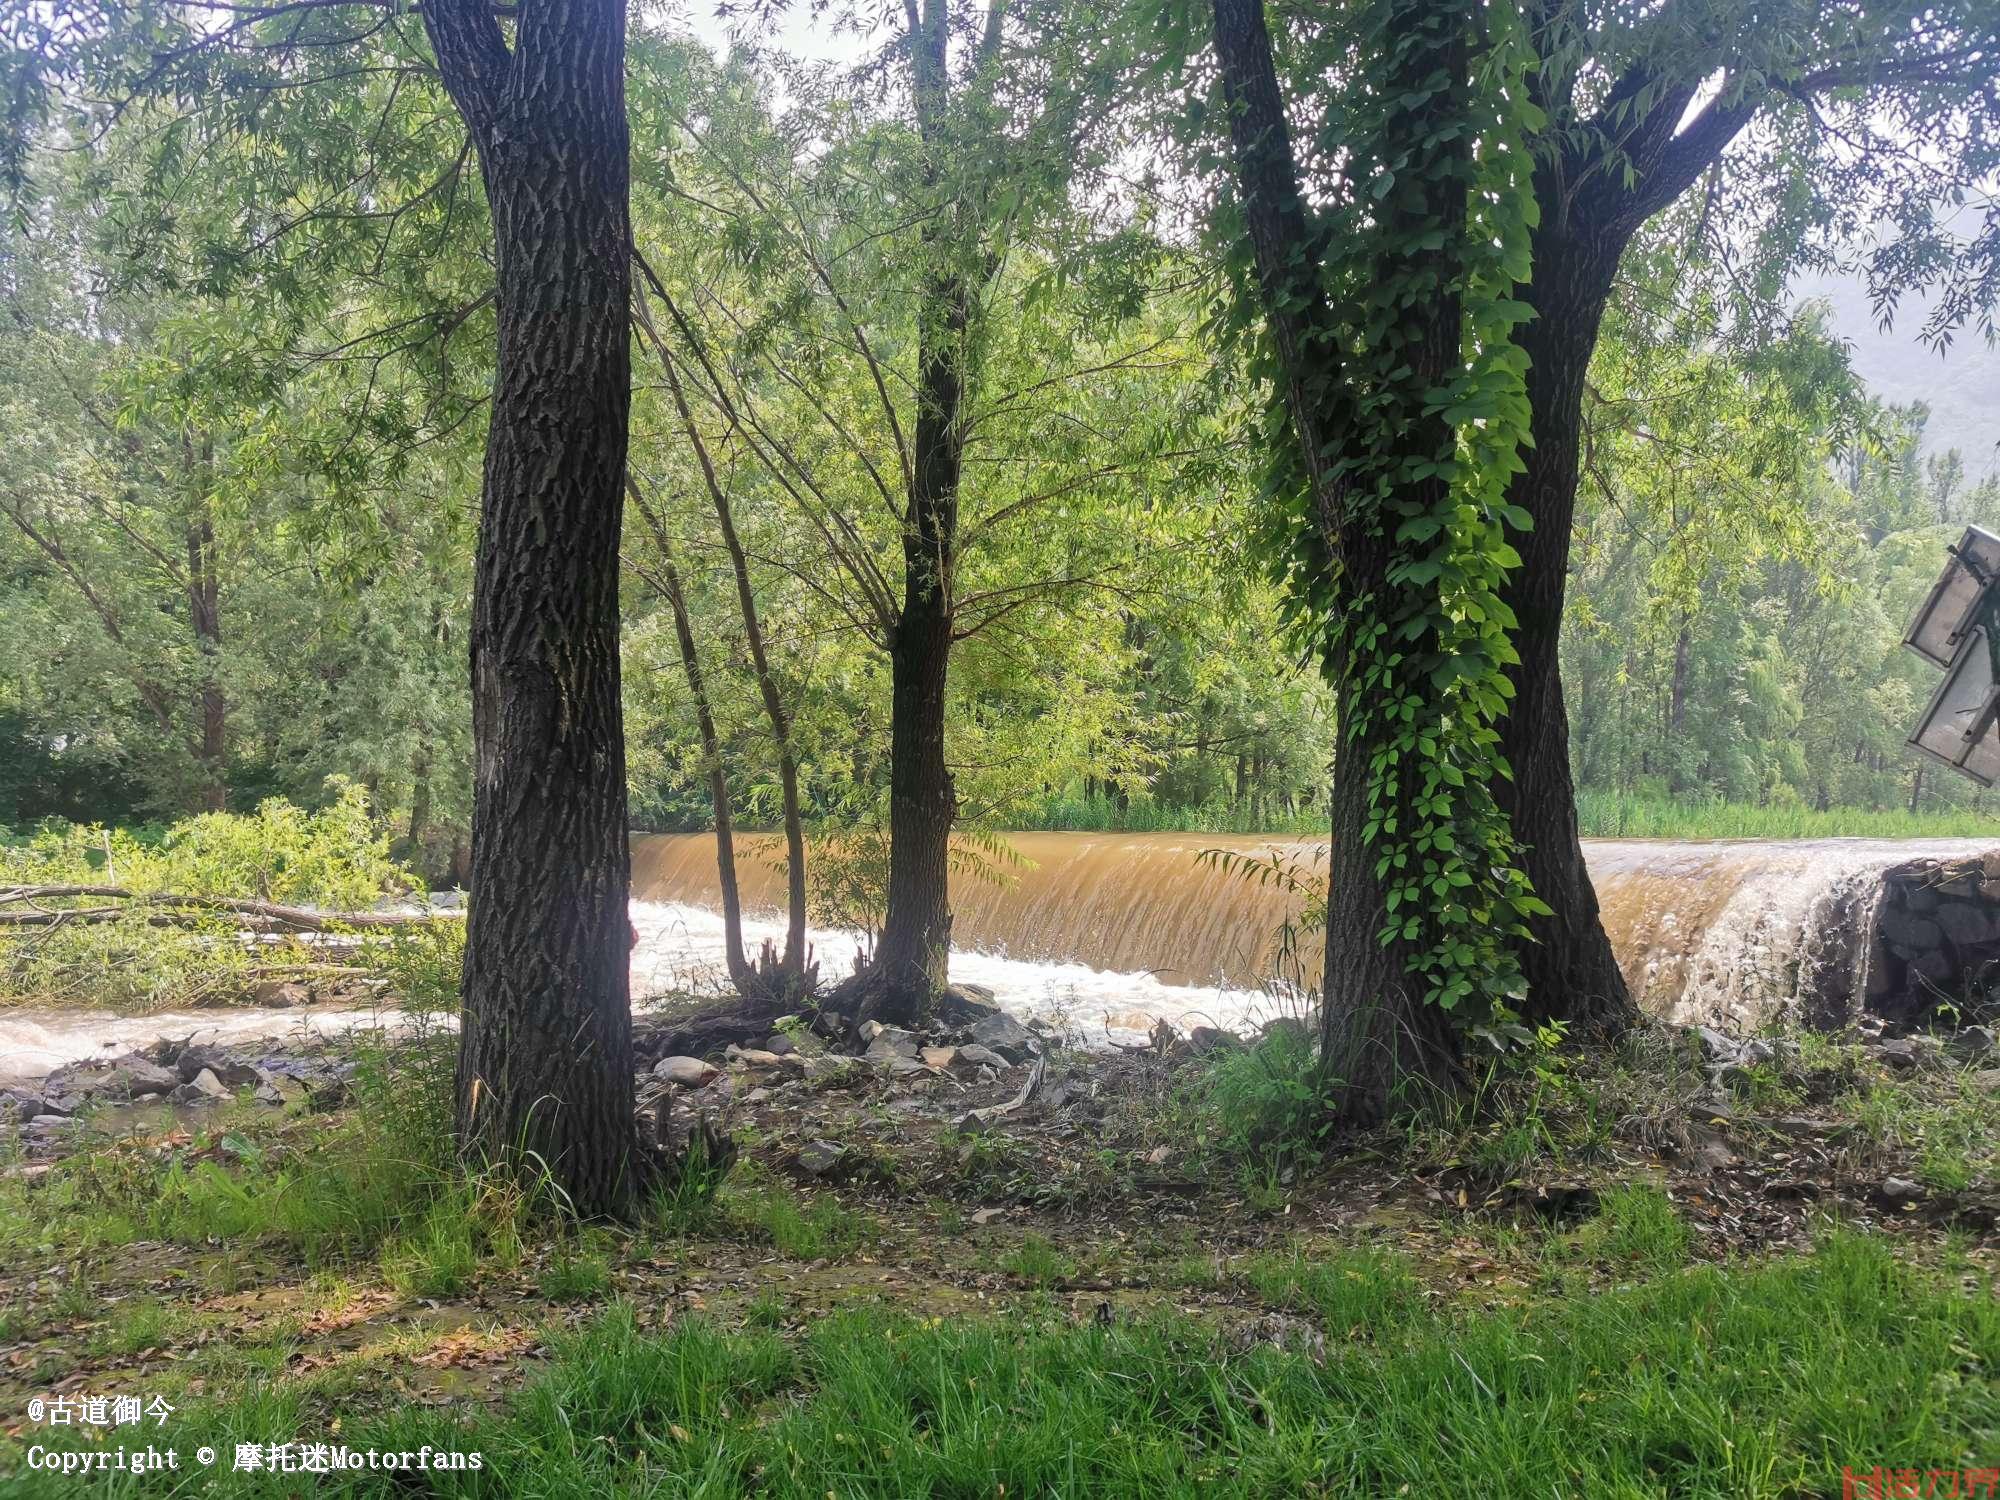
<point x="1724" y="931"/>
<point x="1110" y="931"/>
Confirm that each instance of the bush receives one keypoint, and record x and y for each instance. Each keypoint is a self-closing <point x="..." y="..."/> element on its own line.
<point x="334" y="858"/>
<point x="1266" y="1102"/>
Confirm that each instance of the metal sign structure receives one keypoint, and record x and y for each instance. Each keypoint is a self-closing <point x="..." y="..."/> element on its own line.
<point x="1958" y="630"/>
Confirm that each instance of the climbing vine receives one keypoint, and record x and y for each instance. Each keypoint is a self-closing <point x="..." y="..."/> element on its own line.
<point x="1394" y="549"/>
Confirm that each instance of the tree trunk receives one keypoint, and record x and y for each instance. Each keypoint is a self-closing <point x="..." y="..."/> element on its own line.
<point x="420" y="800"/>
<point x="205" y="616"/>
<point x="1382" y="1045"/>
<point x="711" y="750"/>
<point x="545" y="1057"/>
<point x="1571" y="971"/>
<point x="793" y="963"/>
<point x="913" y="956"/>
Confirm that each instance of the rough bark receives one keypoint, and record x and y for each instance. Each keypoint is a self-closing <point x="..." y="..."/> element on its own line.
<point x="545" y="1058"/>
<point x="1380" y="1042"/>
<point x="910" y="964"/>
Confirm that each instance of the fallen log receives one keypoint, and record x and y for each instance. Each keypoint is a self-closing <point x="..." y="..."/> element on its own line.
<point x="254" y="916"/>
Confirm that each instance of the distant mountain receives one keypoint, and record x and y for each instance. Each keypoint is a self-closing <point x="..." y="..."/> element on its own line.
<point x="1960" y="386"/>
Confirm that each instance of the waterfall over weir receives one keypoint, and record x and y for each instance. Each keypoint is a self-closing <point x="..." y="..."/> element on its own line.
<point x="1728" y="932"/>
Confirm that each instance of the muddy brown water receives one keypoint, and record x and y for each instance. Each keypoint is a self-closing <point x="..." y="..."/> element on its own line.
<point x="1723" y="931"/>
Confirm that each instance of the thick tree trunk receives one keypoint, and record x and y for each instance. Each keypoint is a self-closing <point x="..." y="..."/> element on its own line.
<point x="545" y="1058"/>
<point x="205" y="617"/>
<point x="1382" y="1048"/>
<point x="1571" y="971"/>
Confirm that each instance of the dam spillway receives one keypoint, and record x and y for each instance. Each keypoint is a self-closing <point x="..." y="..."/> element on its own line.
<point x="1724" y="932"/>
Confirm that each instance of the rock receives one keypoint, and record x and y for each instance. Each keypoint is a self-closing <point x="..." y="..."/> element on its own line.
<point x="754" y="1057"/>
<point x="193" y="1060"/>
<point x="820" y="1157"/>
<point x="781" y="1045"/>
<point x="1973" y="1041"/>
<point x="1969" y="924"/>
<point x="1899" y="1056"/>
<point x="870" y="1030"/>
<point x="50" y="1124"/>
<point x="972" y="1055"/>
<point x="688" y="1072"/>
<point x="1757" y="1051"/>
<point x="266" y="1094"/>
<point x="896" y="1065"/>
<point x="888" y="1042"/>
<point x="937" y="1057"/>
<point x="961" y="1003"/>
<point x="1934" y="964"/>
<point x="136" y="1078"/>
<point x="1900" y="1190"/>
<point x="1206" y="1039"/>
<point x="280" y="994"/>
<point x="1905" y="930"/>
<point x="1716" y="1047"/>
<point x="1004" y="1035"/>
<point x="1987" y="1081"/>
<point x="757" y="1096"/>
<point x="203" y="1088"/>
<point x="20" y="1105"/>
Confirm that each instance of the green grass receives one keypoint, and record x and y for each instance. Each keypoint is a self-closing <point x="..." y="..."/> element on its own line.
<point x="1752" y="1382"/>
<point x="1601" y="814"/>
<point x="1038" y="1261"/>
<point x="822" y="1230"/>
<point x="1608" y="815"/>
<point x="1104" y="815"/>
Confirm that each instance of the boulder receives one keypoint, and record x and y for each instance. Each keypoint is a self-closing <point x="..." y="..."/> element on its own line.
<point x="1987" y="1081"/>
<point x="280" y="994"/>
<point x="888" y="1042"/>
<point x="237" y="1075"/>
<point x="1909" y="933"/>
<point x="754" y="1057"/>
<point x="972" y="1055"/>
<point x="1715" y="1046"/>
<point x="961" y="1003"/>
<point x="203" y="1088"/>
<point x="781" y="1045"/>
<point x="820" y="1157"/>
<point x="1003" y="1034"/>
<point x="688" y="1072"/>
<point x="937" y="1057"/>
<point x="135" y="1078"/>
<point x="1899" y="1056"/>
<point x="1968" y="924"/>
<point x="1973" y="1041"/>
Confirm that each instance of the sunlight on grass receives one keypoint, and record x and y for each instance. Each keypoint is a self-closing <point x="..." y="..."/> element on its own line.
<point x="1758" y="1382"/>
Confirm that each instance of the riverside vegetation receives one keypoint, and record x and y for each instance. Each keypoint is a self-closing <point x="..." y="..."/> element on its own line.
<point x="1730" y="1272"/>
